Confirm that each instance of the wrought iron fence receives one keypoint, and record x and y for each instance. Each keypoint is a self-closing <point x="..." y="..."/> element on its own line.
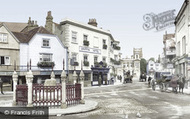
<point x="73" y="95"/>
<point x="46" y="95"/>
<point x="22" y="95"/>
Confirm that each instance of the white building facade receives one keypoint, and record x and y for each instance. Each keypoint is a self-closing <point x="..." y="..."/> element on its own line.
<point x="44" y="50"/>
<point x="87" y="46"/>
<point x="169" y="52"/>
<point x="133" y="64"/>
<point x="182" y="22"/>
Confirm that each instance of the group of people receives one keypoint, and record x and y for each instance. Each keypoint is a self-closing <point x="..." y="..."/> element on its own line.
<point x="143" y="76"/>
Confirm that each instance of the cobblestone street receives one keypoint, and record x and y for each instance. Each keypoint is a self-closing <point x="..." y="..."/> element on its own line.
<point x="115" y="102"/>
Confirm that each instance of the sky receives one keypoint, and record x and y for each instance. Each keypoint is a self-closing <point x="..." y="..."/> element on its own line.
<point x="124" y="18"/>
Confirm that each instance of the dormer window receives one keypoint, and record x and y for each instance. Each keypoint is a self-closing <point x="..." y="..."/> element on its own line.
<point x="46" y="43"/>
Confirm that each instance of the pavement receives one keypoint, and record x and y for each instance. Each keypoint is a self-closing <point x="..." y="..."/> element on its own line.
<point x="6" y="101"/>
<point x="80" y="108"/>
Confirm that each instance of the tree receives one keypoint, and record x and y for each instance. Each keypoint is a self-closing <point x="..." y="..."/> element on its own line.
<point x="143" y="64"/>
<point x="152" y="58"/>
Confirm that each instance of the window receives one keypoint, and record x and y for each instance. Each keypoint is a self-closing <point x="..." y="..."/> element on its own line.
<point x="184" y="45"/>
<point x="85" y="37"/>
<point x="137" y="56"/>
<point x="112" y="43"/>
<point x="46" y="43"/>
<point x="85" y="40"/>
<point x="3" y="37"/>
<point x="95" y="59"/>
<point x="74" y="36"/>
<point x="44" y="57"/>
<point x="104" y="42"/>
<point x="85" y="57"/>
<point x="74" y="57"/>
<point x="4" y="60"/>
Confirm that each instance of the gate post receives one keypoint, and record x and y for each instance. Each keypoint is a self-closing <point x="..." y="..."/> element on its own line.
<point x="29" y="79"/>
<point x="52" y="75"/>
<point x="64" y="91"/>
<point x="15" y="79"/>
<point x="82" y="86"/>
<point x="74" y="77"/>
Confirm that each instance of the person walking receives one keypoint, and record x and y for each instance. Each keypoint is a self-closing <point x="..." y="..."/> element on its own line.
<point x="1" y="85"/>
<point x="149" y="79"/>
<point x="153" y="84"/>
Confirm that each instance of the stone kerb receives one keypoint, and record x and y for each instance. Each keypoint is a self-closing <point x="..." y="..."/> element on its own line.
<point x="15" y="79"/>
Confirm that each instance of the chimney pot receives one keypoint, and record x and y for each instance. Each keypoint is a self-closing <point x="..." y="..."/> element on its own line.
<point x="92" y="22"/>
<point x="32" y="22"/>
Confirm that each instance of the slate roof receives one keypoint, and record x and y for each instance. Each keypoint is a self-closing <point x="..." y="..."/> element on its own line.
<point x="27" y="36"/>
<point x="15" y="27"/>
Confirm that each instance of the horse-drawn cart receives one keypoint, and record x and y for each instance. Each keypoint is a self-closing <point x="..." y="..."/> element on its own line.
<point x="164" y="80"/>
<point x="128" y="78"/>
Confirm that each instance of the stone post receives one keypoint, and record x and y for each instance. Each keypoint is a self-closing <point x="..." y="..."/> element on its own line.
<point x="29" y="79"/>
<point x="82" y="86"/>
<point x="52" y="75"/>
<point x="64" y="91"/>
<point x="74" y="77"/>
<point x="15" y="79"/>
<point x="108" y="78"/>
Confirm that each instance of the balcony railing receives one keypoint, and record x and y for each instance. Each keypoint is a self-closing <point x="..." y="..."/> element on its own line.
<point x="115" y="61"/>
<point x="45" y="64"/>
<point x="85" y="42"/>
<point x="116" y="47"/>
<point x="104" y="46"/>
<point x="75" y="64"/>
<point x="86" y="63"/>
<point x="96" y="64"/>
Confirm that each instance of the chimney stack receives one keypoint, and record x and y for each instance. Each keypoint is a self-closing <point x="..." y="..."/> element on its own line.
<point x="92" y="22"/>
<point x="31" y="25"/>
<point x="49" y="22"/>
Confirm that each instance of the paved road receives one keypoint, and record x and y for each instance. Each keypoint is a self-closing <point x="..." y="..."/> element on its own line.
<point x="115" y="102"/>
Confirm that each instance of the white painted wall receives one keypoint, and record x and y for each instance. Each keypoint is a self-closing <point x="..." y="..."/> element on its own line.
<point x="33" y="49"/>
<point x="91" y="34"/>
<point x="182" y="30"/>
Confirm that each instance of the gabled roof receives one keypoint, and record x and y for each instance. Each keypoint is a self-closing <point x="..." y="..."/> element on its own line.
<point x="15" y="27"/>
<point x="27" y="36"/>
